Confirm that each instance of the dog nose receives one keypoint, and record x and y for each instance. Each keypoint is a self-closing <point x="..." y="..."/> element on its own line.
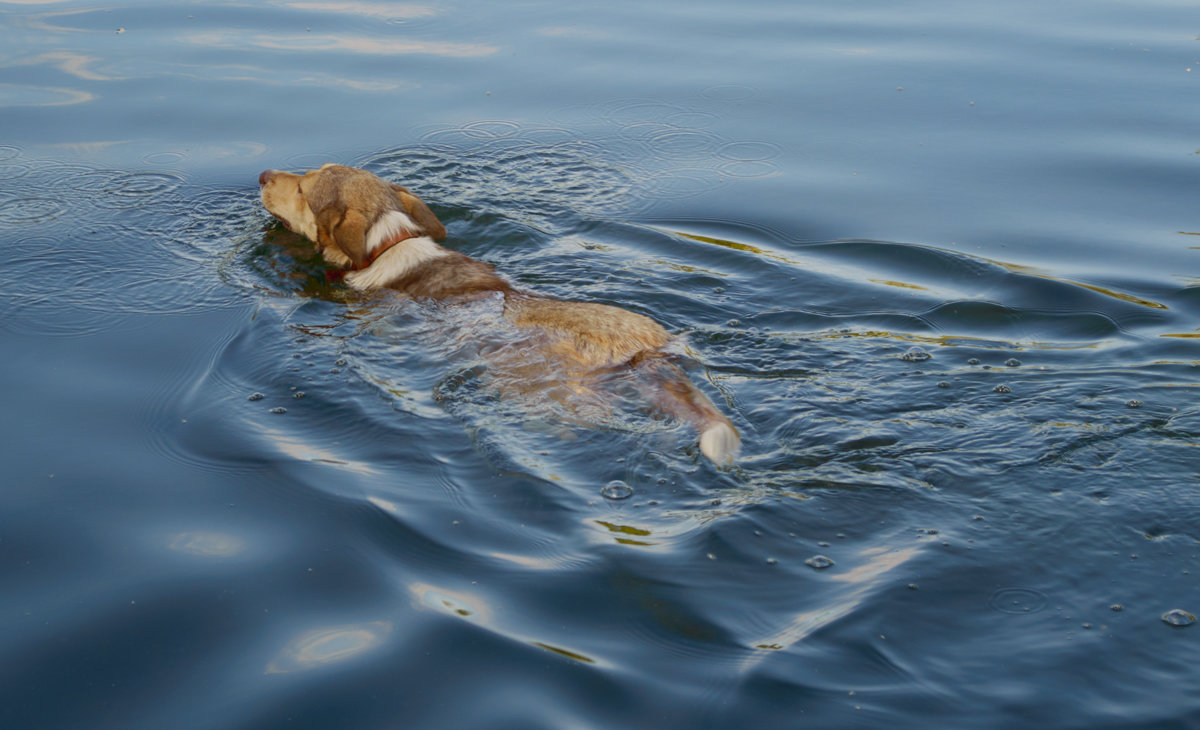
<point x="265" y="177"/>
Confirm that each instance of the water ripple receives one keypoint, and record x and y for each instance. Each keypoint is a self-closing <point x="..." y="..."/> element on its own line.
<point x="30" y="210"/>
<point x="1017" y="600"/>
<point x="103" y="247"/>
<point x="639" y="153"/>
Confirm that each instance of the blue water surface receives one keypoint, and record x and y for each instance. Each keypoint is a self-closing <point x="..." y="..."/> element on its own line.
<point x="939" y="261"/>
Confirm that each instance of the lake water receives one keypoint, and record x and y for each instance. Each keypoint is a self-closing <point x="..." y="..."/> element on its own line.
<point x="940" y="261"/>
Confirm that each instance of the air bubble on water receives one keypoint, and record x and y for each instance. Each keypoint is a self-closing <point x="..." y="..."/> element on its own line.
<point x="616" y="490"/>
<point x="278" y="411"/>
<point x="341" y="362"/>
<point x="772" y="561"/>
<point x="255" y="396"/>
<point x="1116" y="608"/>
<point x="916" y="354"/>
<point x="819" y="562"/>
<point x="1013" y="362"/>
<point x="1178" y="617"/>
<point x="973" y="361"/>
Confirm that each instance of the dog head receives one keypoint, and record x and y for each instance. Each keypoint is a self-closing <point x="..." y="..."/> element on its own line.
<point x="348" y="213"/>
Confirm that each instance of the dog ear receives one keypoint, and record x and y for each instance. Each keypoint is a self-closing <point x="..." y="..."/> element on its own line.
<point x="420" y="213"/>
<point x="345" y="231"/>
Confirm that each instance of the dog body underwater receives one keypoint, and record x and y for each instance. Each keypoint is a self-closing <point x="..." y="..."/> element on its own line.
<point x="386" y="237"/>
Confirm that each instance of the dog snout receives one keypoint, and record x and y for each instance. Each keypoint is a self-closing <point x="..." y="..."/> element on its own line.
<point x="266" y="176"/>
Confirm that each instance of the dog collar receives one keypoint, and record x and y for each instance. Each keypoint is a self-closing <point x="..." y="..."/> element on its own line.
<point x="383" y="247"/>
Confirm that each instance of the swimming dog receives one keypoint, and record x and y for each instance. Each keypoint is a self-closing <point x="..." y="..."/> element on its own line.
<point x="386" y="237"/>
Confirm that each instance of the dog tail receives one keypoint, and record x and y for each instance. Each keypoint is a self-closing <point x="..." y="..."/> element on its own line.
<point x="670" y="390"/>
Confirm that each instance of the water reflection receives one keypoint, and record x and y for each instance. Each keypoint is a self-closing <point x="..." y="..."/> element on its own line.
<point x="464" y="605"/>
<point x="321" y="647"/>
<point x="300" y="450"/>
<point x="79" y="39"/>
<point x="457" y="603"/>
<point x="391" y="11"/>
<point x="22" y="95"/>
<point x="207" y="544"/>
<point x="855" y="259"/>
<point x="1121" y="296"/>
<point x="75" y="64"/>
<point x="234" y="39"/>
<point x="627" y="534"/>
<point x="573" y="33"/>
<point x="50" y="23"/>
<point x="573" y="655"/>
<point x="880" y="561"/>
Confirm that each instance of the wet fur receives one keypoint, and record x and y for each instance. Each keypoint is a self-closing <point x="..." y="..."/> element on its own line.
<point x="352" y="215"/>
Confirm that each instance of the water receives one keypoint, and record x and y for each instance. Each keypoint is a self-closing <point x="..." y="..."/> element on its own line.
<point x="938" y="262"/>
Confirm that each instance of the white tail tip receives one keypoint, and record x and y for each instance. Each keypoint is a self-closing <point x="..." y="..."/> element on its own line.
<point x="720" y="443"/>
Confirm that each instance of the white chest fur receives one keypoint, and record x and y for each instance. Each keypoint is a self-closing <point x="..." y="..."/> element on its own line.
<point x="395" y="263"/>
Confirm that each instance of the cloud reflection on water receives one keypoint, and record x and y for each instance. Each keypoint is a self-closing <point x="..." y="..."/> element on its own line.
<point x="865" y="578"/>
<point x="151" y="52"/>
<point x="23" y="95"/>
<point x="320" y="647"/>
<point x="296" y="448"/>
<point x="74" y="64"/>
<point x="391" y="11"/>
<point x="340" y="42"/>
<point x="207" y="544"/>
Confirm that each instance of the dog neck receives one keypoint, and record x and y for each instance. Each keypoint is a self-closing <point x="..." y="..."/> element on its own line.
<point x="379" y="250"/>
<point x="398" y="261"/>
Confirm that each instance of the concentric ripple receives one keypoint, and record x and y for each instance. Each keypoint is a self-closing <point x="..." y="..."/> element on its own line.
<point x="89" y="243"/>
<point x="636" y="154"/>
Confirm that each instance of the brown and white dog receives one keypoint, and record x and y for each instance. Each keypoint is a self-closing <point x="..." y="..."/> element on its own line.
<point x="386" y="237"/>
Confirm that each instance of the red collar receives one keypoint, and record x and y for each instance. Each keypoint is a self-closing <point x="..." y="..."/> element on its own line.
<point x="381" y="248"/>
